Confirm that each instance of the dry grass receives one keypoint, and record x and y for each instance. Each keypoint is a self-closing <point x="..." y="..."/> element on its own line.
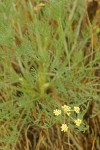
<point x="27" y="136"/>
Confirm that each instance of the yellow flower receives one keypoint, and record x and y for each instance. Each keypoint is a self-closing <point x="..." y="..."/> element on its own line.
<point x="66" y="108"/>
<point x="64" y="127"/>
<point x="57" y="112"/>
<point x="76" y="109"/>
<point x="78" y="122"/>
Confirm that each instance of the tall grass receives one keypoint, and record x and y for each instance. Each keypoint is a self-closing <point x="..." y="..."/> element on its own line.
<point x="48" y="57"/>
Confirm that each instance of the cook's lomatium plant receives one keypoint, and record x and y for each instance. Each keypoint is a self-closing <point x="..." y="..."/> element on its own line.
<point x="67" y="111"/>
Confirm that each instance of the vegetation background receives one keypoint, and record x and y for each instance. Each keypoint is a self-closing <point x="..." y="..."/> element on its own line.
<point x="49" y="56"/>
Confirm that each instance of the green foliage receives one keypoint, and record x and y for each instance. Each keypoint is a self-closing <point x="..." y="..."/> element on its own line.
<point x="42" y="63"/>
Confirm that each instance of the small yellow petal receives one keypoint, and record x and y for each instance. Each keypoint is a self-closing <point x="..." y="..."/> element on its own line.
<point x="68" y="113"/>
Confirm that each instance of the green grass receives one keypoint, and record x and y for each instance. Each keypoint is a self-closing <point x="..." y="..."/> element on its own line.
<point x="48" y="58"/>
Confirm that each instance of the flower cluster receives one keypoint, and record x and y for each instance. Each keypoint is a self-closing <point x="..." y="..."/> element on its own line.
<point x="57" y="112"/>
<point x="67" y="110"/>
<point x="76" y="109"/>
<point x="78" y="122"/>
<point x="64" y="127"/>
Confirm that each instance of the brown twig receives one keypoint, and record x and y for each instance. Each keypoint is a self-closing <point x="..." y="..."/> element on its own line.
<point x="56" y="98"/>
